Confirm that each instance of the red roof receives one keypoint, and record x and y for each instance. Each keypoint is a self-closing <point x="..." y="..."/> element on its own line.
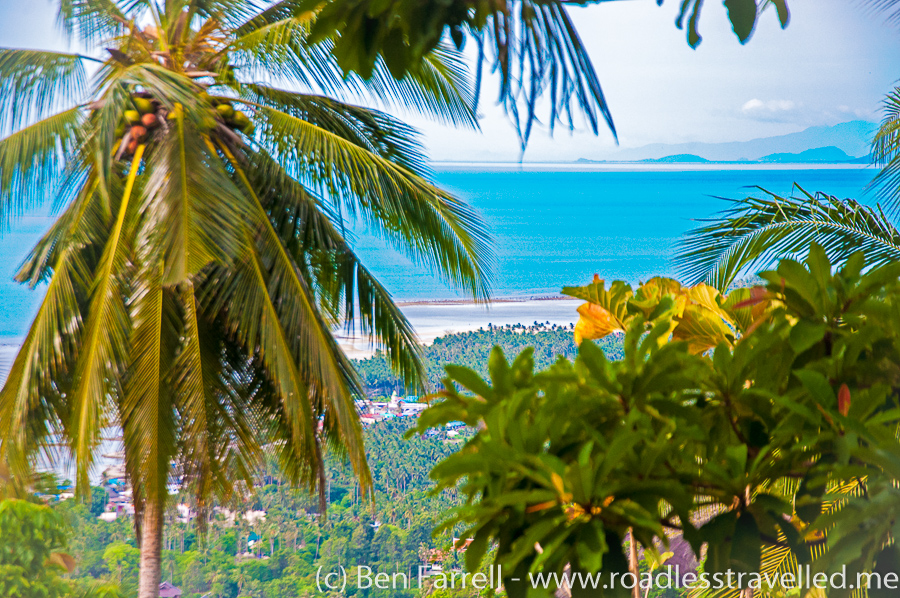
<point x="167" y="590"/>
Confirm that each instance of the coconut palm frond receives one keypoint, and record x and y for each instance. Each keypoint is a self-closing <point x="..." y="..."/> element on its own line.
<point x="147" y="413"/>
<point x="757" y="231"/>
<point x="232" y="13"/>
<point x="35" y="83"/>
<point x="346" y="289"/>
<point x="33" y="410"/>
<point x="539" y="51"/>
<point x="376" y="131"/>
<point x="91" y="21"/>
<point x="30" y="416"/>
<point x="276" y="42"/>
<point x="890" y="9"/>
<point x="433" y="227"/>
<point x="439" y="87"/>
<point x="103" y="347"/>
<point x="220" y="436"/>
<point x="34" y="161"/>
<point x="276" y="48"/>
<point x="192" y="208"/>
<point x="886" y="152"/>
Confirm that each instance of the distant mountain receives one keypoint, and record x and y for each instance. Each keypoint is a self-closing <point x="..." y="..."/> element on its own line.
<point x="691" y="158"/>
<point x="830" y="154"/>
<point x="852" y="138"/>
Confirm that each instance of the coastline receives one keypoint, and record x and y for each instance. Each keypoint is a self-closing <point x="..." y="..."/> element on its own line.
<point x="434" y="318"/>
<point x="639" y="166"/>
<point x="430" y="319"/>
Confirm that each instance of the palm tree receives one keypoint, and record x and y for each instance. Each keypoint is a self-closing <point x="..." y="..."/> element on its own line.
<point x="199" y="264"/>
<point x="756" y="232"/>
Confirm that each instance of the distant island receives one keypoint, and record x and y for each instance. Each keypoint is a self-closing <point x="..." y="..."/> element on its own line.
<point x="829" y="155"/>
<point x="844" y="143"/>
<point x="820" y="155"/>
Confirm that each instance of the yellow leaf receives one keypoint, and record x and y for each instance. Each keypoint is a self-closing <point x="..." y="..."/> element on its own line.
<point x="595" y="322"/>
<point x="702" y="328"/>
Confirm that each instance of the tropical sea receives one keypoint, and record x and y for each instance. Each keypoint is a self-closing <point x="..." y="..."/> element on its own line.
<point x="553" y="225"/>
<point x="556" y="227"/>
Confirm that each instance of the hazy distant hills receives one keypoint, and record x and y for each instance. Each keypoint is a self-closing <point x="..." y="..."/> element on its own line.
<point x="846" y="142"/>
<point x="819" y="154"/>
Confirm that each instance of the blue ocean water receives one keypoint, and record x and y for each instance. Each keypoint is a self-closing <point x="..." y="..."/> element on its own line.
<point x="557" y="228"/>
<point x="551" y="228"/>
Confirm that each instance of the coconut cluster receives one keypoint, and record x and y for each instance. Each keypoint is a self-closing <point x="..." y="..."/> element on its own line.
<point x="147" y="114"/>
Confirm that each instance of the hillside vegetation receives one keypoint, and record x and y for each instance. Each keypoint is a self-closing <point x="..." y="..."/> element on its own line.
<point x="471" y="349"/>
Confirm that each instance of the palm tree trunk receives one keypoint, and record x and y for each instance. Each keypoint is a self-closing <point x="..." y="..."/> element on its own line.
<point x="151" y="548"/>
<point x="633" y="565"/>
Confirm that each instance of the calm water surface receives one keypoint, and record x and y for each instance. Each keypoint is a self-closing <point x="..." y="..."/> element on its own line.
<point x="551" y="228"/>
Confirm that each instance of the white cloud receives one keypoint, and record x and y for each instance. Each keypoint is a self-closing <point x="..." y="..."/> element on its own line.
<point x="757" y="107"/>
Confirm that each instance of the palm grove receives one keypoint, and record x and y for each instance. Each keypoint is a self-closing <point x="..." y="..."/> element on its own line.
<point x="198" y="266"/>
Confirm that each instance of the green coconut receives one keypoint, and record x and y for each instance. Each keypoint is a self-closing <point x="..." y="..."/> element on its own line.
<point x="143" y="105"/>
<point x="209" y="123"/>
<point x="120" y="130"/>
<point x="132" y="117"/>
<point x="241" y="121"/>
<point x="226" y="111"/>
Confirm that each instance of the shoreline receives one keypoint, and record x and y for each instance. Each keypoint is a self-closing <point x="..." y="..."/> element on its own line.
<point x="493" y="301"/>
<point x="626" y="166"/>
<point x="432" y="318"/>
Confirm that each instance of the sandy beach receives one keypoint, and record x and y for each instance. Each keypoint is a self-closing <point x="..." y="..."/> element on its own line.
<point x="432" y="319"/>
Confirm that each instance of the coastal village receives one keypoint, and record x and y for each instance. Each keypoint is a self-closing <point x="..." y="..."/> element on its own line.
<point x="114" y="479"/>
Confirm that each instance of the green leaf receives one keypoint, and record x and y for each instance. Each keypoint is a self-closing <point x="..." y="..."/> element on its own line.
<point x="805" y="334"/>
<point x="746" y="547"/>
<point x="742" y="14"/>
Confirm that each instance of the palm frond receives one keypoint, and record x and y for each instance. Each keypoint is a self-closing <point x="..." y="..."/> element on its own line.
<point x="34" y="161"/>
<point x="538" y="51"/>
<point x="91" y="21"/>
<point x="32" y="414"/>
<point x="219" y="442"/>
<point x="889" y="8"/>
<point x="191" y="208"/>
<point x="439" y="87"/>
<point x="104" y="346"/>
<point x="271" y="46"/>
<point x="34" y="83"/>
<point x="347" y="290"/>
<point x="376" y="131"/>
<point x="757" y="232"/>
<point x="233" y="13"/>
<point x="148" y="403"/>
<point x="275" y="42"/>
<point x="433" y="227"/>
<point x="285" y="303"/>
<point x="886" y="152"/>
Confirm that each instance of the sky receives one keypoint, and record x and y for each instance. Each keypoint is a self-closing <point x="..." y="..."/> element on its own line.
<point x="833" y="63"/>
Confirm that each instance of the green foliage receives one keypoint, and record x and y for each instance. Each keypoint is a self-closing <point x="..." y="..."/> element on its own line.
<point x="122" y="561"/>
<point x="886" y="150"/>
<point x="31" y="562"/>
<point x="718" y="447"/>
<point x="757" y="231"/>
<point x="388" y="533"/>
<point x="471" y="349"/>
<point x="99" y="500"/>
